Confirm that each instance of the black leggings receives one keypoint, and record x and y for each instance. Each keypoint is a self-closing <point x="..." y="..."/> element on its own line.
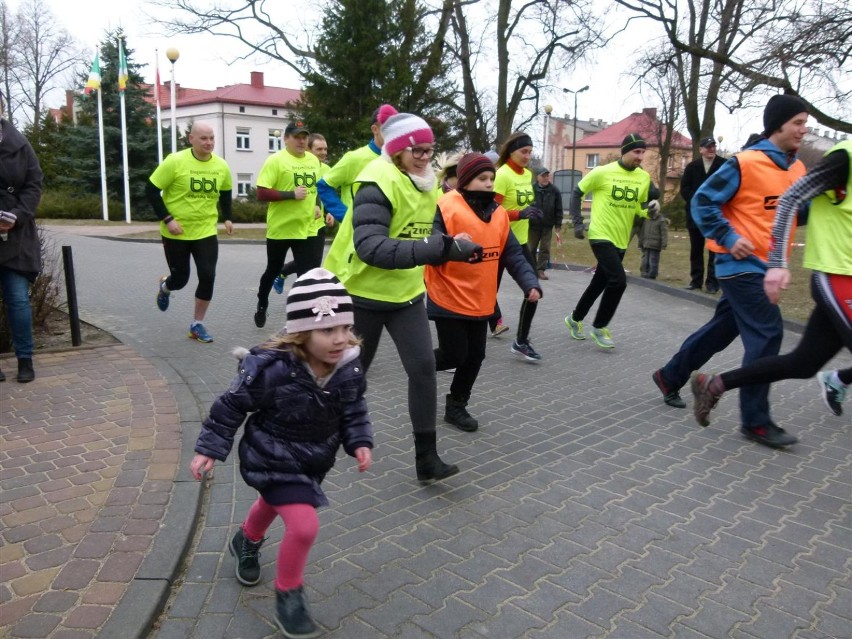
<point x="205" y="253"/>
<point x="527" y="308"/>
<point x="318" y="244"/>
<point x="826" y="332"/>
<point x="461" y="345"/>
<point x="304" y="256"/>
<point x="609" y="279"/>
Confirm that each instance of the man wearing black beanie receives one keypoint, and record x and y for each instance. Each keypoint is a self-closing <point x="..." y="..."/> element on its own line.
<point x="735" y="210"/>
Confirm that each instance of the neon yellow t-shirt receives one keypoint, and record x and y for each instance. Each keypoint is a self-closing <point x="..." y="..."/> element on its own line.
<point x="518" y="194"/>
<point x="616" y="197"/>
<point x="191" y="192"/>
<point x="290" y="219"/>
<point x="830" y="227"/>
<point x="343" y="174"/>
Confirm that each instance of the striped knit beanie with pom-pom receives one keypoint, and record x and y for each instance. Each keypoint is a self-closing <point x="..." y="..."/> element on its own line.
<point x="317" y="299"/>
<point x="401" y="130"/>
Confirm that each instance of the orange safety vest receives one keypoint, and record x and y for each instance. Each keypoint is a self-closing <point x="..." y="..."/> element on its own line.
<point x="751" y="212"/>
<point x="459" y="287"/>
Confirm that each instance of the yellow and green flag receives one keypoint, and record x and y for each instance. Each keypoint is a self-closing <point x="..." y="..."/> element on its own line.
<point x="122" y="68"/>
<point x="94" y="81"/>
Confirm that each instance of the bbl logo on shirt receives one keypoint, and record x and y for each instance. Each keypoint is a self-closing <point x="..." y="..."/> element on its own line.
<point x="308" y="180"/>
<point x="202" y="185"/>
<point x="625" y="194"/>
<point x="525" y="198"/>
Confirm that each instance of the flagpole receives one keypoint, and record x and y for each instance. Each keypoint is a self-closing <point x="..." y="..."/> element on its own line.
<point x="159" y="115"/>
<point x="104" y="203"/>
<point x="122" y="80"/>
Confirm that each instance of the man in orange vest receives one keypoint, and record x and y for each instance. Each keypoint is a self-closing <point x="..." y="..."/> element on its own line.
<point x="735" y="210"/>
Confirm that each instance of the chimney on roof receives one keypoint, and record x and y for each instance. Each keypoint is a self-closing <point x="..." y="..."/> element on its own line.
<point x="257" y="79"/>
<point x="650" y="112"/>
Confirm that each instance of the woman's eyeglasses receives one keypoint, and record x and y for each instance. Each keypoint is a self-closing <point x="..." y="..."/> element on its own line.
<point x="420" y="154"/>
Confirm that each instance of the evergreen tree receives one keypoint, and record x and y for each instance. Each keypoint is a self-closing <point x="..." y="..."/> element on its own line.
<point x="48" y="140"/>
<point x="374" y="51"/>
<point x="82" y="155"/>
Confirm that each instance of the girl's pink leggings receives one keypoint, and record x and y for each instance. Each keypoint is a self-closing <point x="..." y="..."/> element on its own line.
<point x="301" y="526"/>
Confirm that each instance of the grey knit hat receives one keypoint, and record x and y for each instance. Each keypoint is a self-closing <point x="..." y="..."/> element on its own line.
<point x="318" y="300"/>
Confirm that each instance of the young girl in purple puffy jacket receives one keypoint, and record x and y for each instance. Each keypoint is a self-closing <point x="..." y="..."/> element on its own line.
<point x="304" y="391"/>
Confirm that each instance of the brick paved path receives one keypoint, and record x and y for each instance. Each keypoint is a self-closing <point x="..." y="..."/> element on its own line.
<point x="586" y="507"/>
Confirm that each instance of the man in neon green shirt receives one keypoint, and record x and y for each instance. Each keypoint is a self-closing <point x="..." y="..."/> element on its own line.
<point x="288" y="181"/>
<point x="621" y="190"/>
<point x="184" y="191"/>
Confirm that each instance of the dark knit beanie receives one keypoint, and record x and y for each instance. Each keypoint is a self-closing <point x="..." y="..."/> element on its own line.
<point x="470" y="166"/>
<point x="632" y="141"/>
<point x="779" y="110"/>
<point x="317" y="299"/>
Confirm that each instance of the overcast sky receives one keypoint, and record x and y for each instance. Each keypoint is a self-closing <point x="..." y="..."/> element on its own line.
<point x="204" y="64"/>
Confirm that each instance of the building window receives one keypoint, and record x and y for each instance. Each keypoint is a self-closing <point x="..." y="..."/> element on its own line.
<point x="274" y="111"/>
<point x="243" y="184"/>
<point x="592" y="160"/>
<point x="243" y="139"/>
<point x="274" y="140"/>
<point x="242" y="109"/>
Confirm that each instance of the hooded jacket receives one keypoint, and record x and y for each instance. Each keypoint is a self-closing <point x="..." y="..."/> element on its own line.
<point x="20" y="192"/>
<point x="295" y="426"/>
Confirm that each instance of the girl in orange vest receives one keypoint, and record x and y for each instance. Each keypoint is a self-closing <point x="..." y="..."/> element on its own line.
<point x="461" y="296"/>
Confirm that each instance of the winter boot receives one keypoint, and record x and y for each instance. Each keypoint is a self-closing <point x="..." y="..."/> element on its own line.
<point x="25" y="370"/>
<point x="428" y="464"/>
<point x="457" y="415"/>
<point x="292" y="614"/>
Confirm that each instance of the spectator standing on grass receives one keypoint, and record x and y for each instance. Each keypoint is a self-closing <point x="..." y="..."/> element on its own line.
<point x="735" y="210"/>
<point x="548" y="200"/>
<point x="828" y="252"/>
<point x="620" y="190"/>
<point x="20" y="249"/>
<point x="653" y="239"/>
<point x="184" y="192"/>
<point x="694" y="175"/>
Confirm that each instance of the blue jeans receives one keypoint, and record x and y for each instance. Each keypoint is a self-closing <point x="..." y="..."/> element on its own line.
<point x="744" y="310"/>
<point x="16" y="297"/>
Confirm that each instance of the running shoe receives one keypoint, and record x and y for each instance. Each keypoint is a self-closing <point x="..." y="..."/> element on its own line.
<point x="260" y="316"/>
<point x="602" y="337"/>
<point x="197" y="331"/>
<point x="705" y="401"/>
<point x="525" y="350"/>
<point x="499" y="329"/>
<point x="770" y="435"/>
<point x="671" y="396"/>
<point x="574" y="327"/>
<point x="278" y="284"/>
<point x="833" y="393"/>
<point x="162" y="296"/>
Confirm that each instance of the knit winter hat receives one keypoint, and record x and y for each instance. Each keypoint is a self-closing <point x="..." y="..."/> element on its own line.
<point x="470" y="166"/>
<point x="385" y="109"/>
<point x="779" y="110"/>
<point x="317" y="299"/>
<point x="632" y="141"/>
<point x="401" y="130"/>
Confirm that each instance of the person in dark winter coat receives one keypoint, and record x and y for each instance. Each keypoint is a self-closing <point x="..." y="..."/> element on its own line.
<point x="20" y="249"/>
<point x="653" y="238"/>
<point x="380" y="252"/>
<point x="694" y="175"/>
<point x="461" y="297"/>
<point x="304" y="394"/>
<point x="548" y="199"/>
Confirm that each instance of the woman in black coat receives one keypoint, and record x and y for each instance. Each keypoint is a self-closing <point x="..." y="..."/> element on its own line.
<point x="20" y="251"/>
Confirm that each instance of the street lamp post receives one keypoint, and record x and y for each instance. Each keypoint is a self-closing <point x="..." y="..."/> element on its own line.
<point x="574" y="135"/>
<point x="173" y="54"/>
<point x="548" y="109"/>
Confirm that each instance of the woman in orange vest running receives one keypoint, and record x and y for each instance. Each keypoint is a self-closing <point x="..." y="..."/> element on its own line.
<point x="461" y="296"/>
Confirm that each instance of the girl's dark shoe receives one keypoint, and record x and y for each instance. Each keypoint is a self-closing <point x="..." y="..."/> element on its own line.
<point x="457" y="415"/>
<point x="292" y="614"/>
<point x="25" y="370"/>
<point x="247" y="556"/>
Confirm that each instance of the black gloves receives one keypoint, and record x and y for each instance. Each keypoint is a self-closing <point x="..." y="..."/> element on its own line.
<point x="464" y="251"/>
<point x="578" y="231"/>
<point x="531" y="213"/>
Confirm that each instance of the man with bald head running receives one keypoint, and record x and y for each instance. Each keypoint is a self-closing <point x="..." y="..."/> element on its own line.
<point x="184" y="192"/>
